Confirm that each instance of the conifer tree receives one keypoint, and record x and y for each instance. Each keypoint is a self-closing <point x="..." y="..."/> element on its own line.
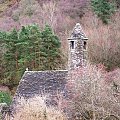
<point x="30" y="37"/>
<point x="11" y="57"/>
<point x="50" y="49"/>
<point x="29" y="48"/>
<point x="103" y="9"/>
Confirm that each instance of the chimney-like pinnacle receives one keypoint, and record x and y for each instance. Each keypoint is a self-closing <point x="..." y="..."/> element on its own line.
<point x="78" y="32"/>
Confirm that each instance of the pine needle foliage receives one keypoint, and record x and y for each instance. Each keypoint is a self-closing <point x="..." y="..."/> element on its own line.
<point x="103" y="9"/>
<point x="50" y="51"/>
<point x="29" y="48"/>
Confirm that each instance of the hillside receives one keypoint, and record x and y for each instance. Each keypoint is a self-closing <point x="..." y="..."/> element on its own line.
<point x="104" y="39"/>
<point x="62" y="16"/>
<point x="34" y="37"/>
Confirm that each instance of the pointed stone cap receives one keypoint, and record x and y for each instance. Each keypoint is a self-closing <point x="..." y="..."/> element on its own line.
<point x="78" y="33"/>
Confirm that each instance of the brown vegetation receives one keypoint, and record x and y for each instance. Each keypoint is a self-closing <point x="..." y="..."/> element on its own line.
<point x="96" y="93"/>
<point x="36" y="109"/>
<point x="104" y="40"/>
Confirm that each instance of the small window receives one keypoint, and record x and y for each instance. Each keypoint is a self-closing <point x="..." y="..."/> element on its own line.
<point x="85" y="44"/>
<point x="72" y="44"/>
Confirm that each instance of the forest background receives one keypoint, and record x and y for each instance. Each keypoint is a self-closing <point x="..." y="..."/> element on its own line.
<point x="33" y="35"/>
<point x="38" y="20"/>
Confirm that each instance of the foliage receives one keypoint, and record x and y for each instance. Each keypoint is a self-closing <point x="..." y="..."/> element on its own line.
<point x="103" y="9"/>
<point x="3" y="5"/>
<point x="104" y="42"/>
<point x="49" y="49"/>
<point x="29" y="48"/>
<point x="36" y="109"/>
<point x="26" y="7"/>
<point x="117" y="3"/>
<point x="5" y="98"/>
<point x="74" y="9"/>
<point x="111" y="117"/>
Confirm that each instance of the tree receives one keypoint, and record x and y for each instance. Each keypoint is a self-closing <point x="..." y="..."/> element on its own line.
<point x="50" y="49"/>
<point x="93" y="93"/>
<point x="10" y="57"/>
<point x="103" y="9"/>
<point x="29" y="48"/>
<point x="30" y="40"/>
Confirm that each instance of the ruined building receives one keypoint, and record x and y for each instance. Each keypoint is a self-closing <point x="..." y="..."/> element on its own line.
<point x="77" y="48"/>
<point x="51" y="82"/>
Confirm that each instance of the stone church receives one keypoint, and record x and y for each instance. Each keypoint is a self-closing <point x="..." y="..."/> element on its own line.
<point x="50" y="82"/>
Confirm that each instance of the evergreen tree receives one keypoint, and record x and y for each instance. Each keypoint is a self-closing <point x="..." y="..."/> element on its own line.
<point x="29" y="48"/>
<point x="2" y="52"/>
<point x="103" y="9"/>
<point x="30" y="37"/>
<point x="50" y="49"/>
<point x="10" y="57"/>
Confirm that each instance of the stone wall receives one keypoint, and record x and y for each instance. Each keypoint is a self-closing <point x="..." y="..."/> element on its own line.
<point x="77" y="54"/>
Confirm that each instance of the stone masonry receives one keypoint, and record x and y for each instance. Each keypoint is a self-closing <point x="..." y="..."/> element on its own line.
<point x="77" y="48"/>
<point x="41" y="82"/>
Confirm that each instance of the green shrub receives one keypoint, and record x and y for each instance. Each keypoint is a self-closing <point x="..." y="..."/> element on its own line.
<point x="5" y="98"/>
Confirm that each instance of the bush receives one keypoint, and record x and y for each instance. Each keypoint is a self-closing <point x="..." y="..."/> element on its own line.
<point x="95" y="92"/>
<point x="104" y="41"/>
<point x="5" y="98"/>
<point x="36" y="109"/>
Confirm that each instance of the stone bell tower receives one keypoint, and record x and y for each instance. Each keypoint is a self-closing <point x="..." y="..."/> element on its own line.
<point x="77" y="48"/>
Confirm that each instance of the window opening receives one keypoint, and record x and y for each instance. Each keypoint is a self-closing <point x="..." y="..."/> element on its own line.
<point x="85" y="44"/>
<point x="72" y="45"/>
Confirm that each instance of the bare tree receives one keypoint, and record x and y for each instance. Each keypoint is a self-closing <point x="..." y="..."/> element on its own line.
<point x="93" y="98"/>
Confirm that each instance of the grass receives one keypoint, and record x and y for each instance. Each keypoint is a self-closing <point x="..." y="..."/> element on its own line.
<point x="5" y="98"/>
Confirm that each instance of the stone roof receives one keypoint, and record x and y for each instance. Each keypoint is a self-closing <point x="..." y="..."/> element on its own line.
<point x="41" y="82"/>
<point x="78" y="33"/>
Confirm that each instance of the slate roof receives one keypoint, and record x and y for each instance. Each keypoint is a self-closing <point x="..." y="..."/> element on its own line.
<point x="40" y="82"/>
